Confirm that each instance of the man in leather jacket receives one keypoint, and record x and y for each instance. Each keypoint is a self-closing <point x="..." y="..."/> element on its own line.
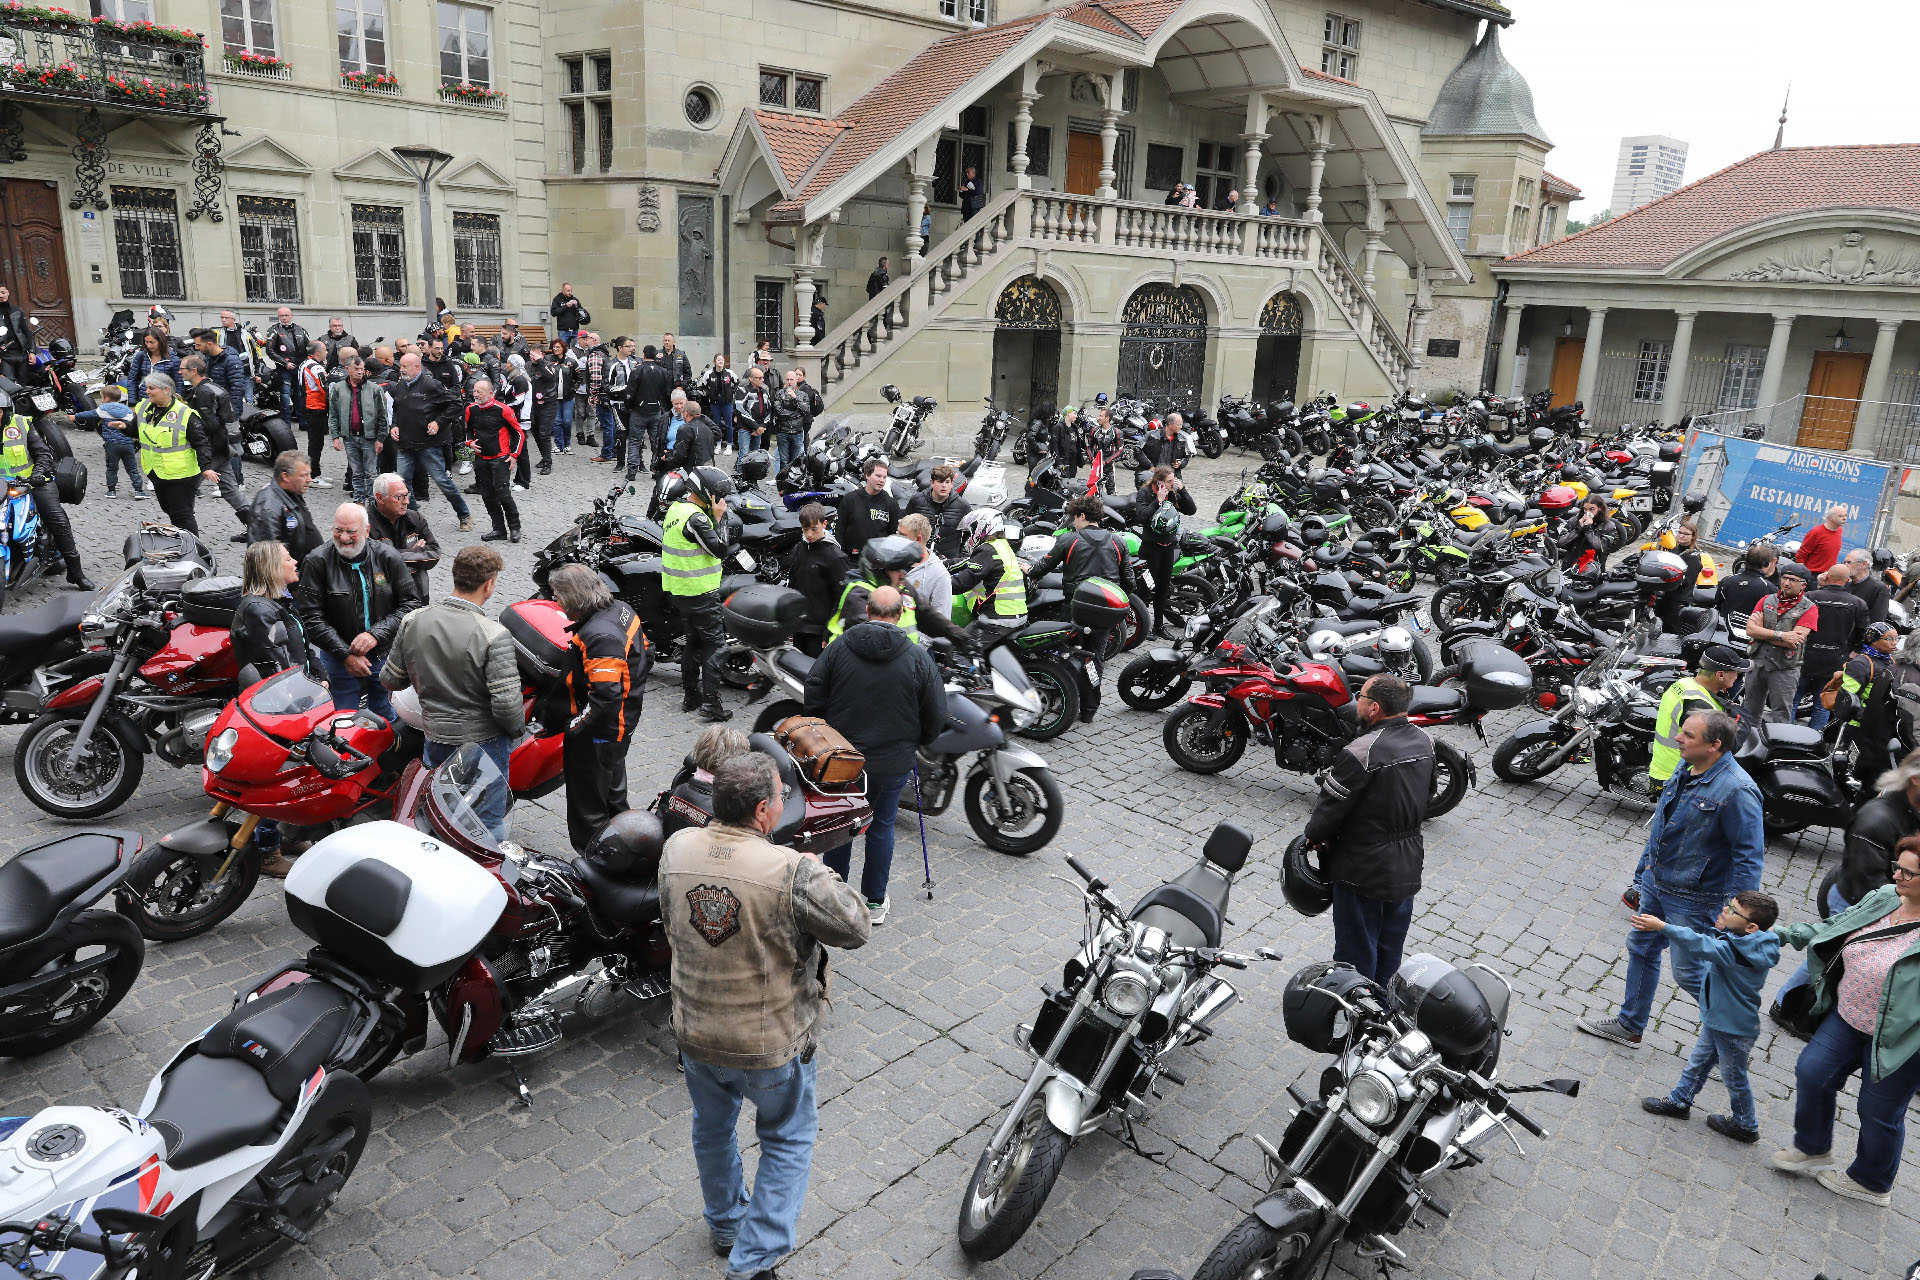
<point x="607" y="663"/>
<point x="944" y="510"/>
<point x="279" y="510"/>
<point x="225" y="365"/>
<point x="220" y="414"/>
<point x="353" y="593"/>
<point x="337" y="337"/>
<point x="403" y="526"/>
<point x="649" y="395"/>
<point x="1089" y="551"/>
<point x="678" y="367"/>
<point x="16" y="336"/>
<point x="693" y="439"/>
<point x="1065" y="443"/>
<point x="1366" y="824"/>
<point x="1167" y="449"/>
<point x="287" y="345"/>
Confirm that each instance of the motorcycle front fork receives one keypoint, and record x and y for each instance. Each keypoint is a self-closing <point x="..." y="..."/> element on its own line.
<point x="242" y="837"/>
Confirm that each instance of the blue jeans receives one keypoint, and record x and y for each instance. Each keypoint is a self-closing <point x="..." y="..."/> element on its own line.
<point x="722" y="415"/>
<point x="883" y="793"/>
<point x="126" y="455"/>
<point x="491" y="807"/>
<point x="1810" y="685"/>
<point x="563" y="425"/>
<point x="350" y="690"/>
<point x="285" y="382"/>
<point x="363" y="458"/>
<point x="609" y="421"/>
<point x="791" y="445"/>
<point x="1836" y="1052"/>
<point x="567" y="335"/>
<point x="786" y="1120"/>
<point x="1731" y="1052"/>
<point x="1370" y="935"/>
<point x="1798" y="978"/>
<point x="743" y="444"/>
<point x="1644" y="949"/>
<point x="434" y="460"/>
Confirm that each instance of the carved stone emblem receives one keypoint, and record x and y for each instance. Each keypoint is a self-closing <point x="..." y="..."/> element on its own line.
<point x="649" y="217"/>
<point x="1852" y="261"/>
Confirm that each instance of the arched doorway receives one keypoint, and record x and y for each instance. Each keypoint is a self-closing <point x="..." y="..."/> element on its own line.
<point x="1026" y="347"/>
<point x="1276" y="361"/>
<point x="1163" y="346"/>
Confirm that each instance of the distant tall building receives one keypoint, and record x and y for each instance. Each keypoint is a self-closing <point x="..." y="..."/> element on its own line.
<point x="1649" y="167"/>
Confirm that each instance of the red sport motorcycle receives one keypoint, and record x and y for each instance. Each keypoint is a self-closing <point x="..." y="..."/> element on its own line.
<point x="282" y="752"/>
<point x="1304" y="711"/>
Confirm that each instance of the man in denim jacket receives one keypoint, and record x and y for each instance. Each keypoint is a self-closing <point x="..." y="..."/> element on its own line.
<point x="1706" y="845"/>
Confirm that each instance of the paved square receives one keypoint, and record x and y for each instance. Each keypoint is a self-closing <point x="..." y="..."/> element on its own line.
<point x="597" y="1180"/>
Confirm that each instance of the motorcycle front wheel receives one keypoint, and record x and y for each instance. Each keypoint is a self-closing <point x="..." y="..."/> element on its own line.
<point x="1059" y="691"/>
<point x="1454" y="604"/>
<point x="111" y="949"/>
<point x="1372" y="512"/>
<point x="1004" y="1196"/>
<point x="1029" y="821"/>
<point x="99" y="784"/>
<point x="1253" y="1251"/>
<point x="1526" y="758"/>
<point x="1189" y="594"/>
<point x="1198" y="749"/>
<point x="1147" y="685"/>
<point x="1212" y="444"/>
<point x="172" y="894"/>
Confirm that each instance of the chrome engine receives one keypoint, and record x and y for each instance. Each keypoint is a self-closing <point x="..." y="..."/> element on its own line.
<point x="186" y="741"/>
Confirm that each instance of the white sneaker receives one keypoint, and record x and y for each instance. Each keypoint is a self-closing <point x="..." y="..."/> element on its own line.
<point x="877" y="911"/>
<point x="1841" y="1185"/>
<point x="466" y="469"/>
<point x="321" y="482"/>
<point x="1794" y="1160"/>
<point x="520" y="488"/>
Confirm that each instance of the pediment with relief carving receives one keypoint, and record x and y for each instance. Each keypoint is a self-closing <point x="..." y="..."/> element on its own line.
<point x="1855" y="260"/>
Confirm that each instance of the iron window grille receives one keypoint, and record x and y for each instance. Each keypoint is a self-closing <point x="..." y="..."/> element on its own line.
<point x="576" y="75"/>
<point x="603" y="75"/>
<point x="784" y="89"/>
<point x="246" y="26"/>
<point x="362" y="29"/>
<point x="699" y="106"/>
<point x="1740" y="384"/>
<point x="465" y="45"/>
<point x="769" y="314"/>
<point x="379" y="255"/>
<point x="1039" y="149"/>
<point x="269" y="249"/>
<point x="476" y="261"/>
<point x="146" y="233"/>
<point x="577" y="136"/>
<point x="603" y="129"/>
<point x="1650" y="374"/>
<point x="773" y="89"/>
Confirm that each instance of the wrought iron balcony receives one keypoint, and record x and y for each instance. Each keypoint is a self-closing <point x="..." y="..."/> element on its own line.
<point x="132" y="66"/>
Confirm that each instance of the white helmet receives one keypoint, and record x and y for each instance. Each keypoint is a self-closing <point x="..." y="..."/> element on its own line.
<point x="982" y="525"/>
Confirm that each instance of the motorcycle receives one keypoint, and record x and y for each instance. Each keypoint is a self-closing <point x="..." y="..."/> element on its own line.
<point x="1413" y="1085"/>
<point x="62" y="967"/>
<point x="995" y="424"/>
<point x="23" y="554"/>
<point x="1141" y="986"/>
<point x="909" y="418"/>
<point x="157" y="669"/>
<point x="281" y="752"/>
<point x="42" y="636"/>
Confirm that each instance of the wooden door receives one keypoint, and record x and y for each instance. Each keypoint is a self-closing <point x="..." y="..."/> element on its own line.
<point x="33" y="255"/>
<point x="1565" y="383"/>
<point x="1833" y="399"/>
<point x="1083" y="163"/>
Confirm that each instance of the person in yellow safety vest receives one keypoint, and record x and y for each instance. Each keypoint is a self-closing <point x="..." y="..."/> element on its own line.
<point x="884" y="563"/>
<point x="26" y="456"/>
<point x="174" y="450"/>
<point x="690" y="554"/>
<point x="992" y="575"/>
<point x="1861" y="694"/>
<point x="1720" y="666"/>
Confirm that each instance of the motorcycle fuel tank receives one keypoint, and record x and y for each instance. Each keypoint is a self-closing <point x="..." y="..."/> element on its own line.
<point x="1320" y="679"/>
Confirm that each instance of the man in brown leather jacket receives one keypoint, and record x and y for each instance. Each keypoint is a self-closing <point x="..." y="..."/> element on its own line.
<point x="746" y="920"/>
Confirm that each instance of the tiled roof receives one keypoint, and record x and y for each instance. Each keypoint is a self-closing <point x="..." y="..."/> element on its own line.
<point x="1091" y="14"/>
<point x="1558" y="186"/>
<point x="1321" y="75"/>
<point x="796" y="141"/>
<point x="1143" y="16"/>
<point x="1767" y="185"/>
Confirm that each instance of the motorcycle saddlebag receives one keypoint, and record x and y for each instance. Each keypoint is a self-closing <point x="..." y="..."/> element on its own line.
<point x="70" y="478"/>
<point x="763" y="616"/>
<point x="540" y="640"/>
<point x="1495" y="678"/>
<point x="820" y="751"/>
<point x="210" y="602"/>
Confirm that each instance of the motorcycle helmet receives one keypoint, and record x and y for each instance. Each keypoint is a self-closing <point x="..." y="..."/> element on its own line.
<point x="1558" y="499"/>
<point x="709" y="484"/>
<point x="1539" y="438"/>
<point x="755" y="466"/>
<point x="1273" y="525"/>
<point x="1659" y="569"/>
<point x="1313" y="1018"/>
<point x="61" y="350"/>
<point x="1313" y="531"/>
<point x="890" y="393"/>
<point x="1445" y="1004"/>
<point x="628" y="847"/>
<point x="1164" y="523"/>
<point x="881" y="555"/>
<point x="1306" y="890"/>
<point x="1100" y="400"/>
<point x="982" y="525"/>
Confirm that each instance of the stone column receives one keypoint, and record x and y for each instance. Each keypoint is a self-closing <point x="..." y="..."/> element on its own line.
<point x="803" y="334"/>
<point x="1250" y="189"/>
<point x="919" y="180"/>
<point x="1109" y="143"/>
<point x="1367" y="257"/>
<point x="1316" y="167"/>
<point x="1509" y="349"/>
<point x="1029" y="94"/>
<point x="1675" y="395"/>
<point x="1590" y="356"/>
<point x="1873" y="414"/>
<point x="1770" y="377"/>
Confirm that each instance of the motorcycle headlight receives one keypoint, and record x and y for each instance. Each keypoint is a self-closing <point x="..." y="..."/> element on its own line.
<point x="1126" y="993"/>
<point x="1197" y="626"/>
<point x="1589" y="702"/>
<point x="1024" y="703"/>
<point x="1371" y="1098"/>
<point x="220" y="750"/>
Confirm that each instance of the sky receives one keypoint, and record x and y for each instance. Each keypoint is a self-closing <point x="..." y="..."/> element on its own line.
<point x="1711" y="73"/>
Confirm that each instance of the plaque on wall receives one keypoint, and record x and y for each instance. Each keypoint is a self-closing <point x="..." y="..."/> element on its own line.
<point x="623" y="297"/>
<point x="1445" y="348"/>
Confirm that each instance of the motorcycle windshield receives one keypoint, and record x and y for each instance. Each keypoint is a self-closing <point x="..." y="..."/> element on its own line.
<point x="460" y="786"/>
<point x="291" y="693"/>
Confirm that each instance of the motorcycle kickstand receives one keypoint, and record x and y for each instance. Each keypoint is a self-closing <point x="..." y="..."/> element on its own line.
<point x="1132" y="1140"/>
<point x="523" y="1094"/>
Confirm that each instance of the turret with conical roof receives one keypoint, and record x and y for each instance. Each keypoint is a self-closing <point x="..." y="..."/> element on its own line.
<point x="1485" y="94"/>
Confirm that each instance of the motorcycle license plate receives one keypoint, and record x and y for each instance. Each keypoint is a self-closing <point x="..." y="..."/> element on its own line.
<point x="1421" y="620"/>
<point x="1093" y="674"/>
<point x="1643" y="502"/>
<point x="43" y="401"/>
<point x="745" y="561"/>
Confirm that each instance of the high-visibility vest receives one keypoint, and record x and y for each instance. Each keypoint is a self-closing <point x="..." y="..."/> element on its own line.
<point x="1009" y="598"/>
<point x="686" y="567"/>
<point x="908" y="620"/>
<point x="1861" y="692"/>
<point x="164" y="451"/>
<point x="1666" y="725"/>
<point x="14" y="458"/>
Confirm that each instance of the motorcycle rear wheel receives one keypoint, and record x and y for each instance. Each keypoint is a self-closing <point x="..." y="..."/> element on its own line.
<point x="168" y="894"/>
<point x="1035" y="796"/>
<point x="1004" y="1197"/>
<point x="1147" y="685"/>
<point x="1450" y="777"/>
<point x="1212" y="443"/>
<point x="1521" y="759"/>
<point x="1197" y="751"/>
<point x="1189" y="594"/>
<point x="39" y="766"/>
<point x="1253" y="1251"/>
<point x="1059" y="691"/>
<point x="1372" y="512"/>
<point x="1782" y="826"/>
<point x="103" y="935"/>
<point x="315" y="1165"/>
<point x="1138" y="626"/>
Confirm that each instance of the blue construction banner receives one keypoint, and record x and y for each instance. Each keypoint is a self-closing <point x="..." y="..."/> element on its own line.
<point x="1753" y="487"/>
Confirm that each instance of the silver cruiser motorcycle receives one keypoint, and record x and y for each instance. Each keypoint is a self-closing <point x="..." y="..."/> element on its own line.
<point x="1412" y="1087"/>
<point x="1141" y="985"/>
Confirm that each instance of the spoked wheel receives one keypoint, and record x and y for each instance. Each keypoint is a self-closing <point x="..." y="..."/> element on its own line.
<point x="172" y="894"/>
<point x="100" y="953"/>
<point x="310" y="1172"/>
<point x="103" y="780"/>
<point x="1452" y="774"/>
<point x="1199" y="749"/>
<point x="1373" y="512"/>
<point x="1452" y="605"/>
<point x="1005" y="1193"/>
<point x="1254" y="1251"/>
<point x="1059" y="690"/>
<point x="1147" y="685"/>
<point x="1526" y="759"/>
<point x="1027" y="821"/>
<point x="1188" y="595"/>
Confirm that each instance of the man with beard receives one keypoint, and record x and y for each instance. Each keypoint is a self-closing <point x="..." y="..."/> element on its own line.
<point x="353" y="593"/>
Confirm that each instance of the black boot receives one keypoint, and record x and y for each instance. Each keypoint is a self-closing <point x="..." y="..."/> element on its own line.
<point x="495" y="535"/>
<point x="77" y="576"/>
<point x="714" y="712"/>
<point x="689" y="702"/>
<point x="513" y="535"/>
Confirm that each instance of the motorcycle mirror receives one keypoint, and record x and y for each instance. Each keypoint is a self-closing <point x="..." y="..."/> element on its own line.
<point x="1570" y="1088"/>
<point x="1267" y="953"/>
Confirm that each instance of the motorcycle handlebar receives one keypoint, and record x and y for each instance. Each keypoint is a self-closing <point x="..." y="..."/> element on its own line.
<point x="1519" y="1117"/>
<point x="1079" y="869"/>
<point x="58" y="1236"/>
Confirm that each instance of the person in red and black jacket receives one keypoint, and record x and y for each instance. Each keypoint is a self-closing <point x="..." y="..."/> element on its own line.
<point x="497" y="438"/>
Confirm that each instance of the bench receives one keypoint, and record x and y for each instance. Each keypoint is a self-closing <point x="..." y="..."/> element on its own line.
<point x="534" y="335"/>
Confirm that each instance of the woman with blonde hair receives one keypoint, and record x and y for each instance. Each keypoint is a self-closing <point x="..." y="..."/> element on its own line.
<point x="268" y="639"/>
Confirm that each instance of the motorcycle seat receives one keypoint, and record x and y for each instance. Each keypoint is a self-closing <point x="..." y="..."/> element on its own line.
<point x="26" y="635"/>
<point x="209" y="1107"/>
<point x="1430" y="701"/>
<point x="1188" y="919"/>
<point x="1353" y="627"/>
<point x="1797" y="739"/>
<point x="620" y="901"/>
<point x="794" y="814"/>
<point x="36" y="886"/>
<point x="794" y="663"/>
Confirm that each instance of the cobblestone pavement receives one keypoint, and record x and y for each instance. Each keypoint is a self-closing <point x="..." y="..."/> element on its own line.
<point x="917" y="1061"/>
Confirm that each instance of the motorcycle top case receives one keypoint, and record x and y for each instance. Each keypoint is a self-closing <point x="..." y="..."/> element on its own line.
<point x="164" y="541"/>
<point x="1495" y="678"/>
<point x="764" y="616"/>
<point x="540" y="638"/>
<point x="1099" y="603"/>
<point x="395" y="904"/>
<point x="210" y="602"/>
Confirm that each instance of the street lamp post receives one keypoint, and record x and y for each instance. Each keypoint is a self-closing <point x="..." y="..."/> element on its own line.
<point x="423" y="164"/>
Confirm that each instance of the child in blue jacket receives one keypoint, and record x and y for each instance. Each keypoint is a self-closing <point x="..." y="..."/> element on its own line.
<point x="1737" y="954"/>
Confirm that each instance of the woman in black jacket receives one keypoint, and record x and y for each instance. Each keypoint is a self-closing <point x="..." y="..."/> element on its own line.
<point x="718" y="390"/>
<point x="1157" y="509"/>
<point x="268" y="639"/>
<point x="1588" y="531"/>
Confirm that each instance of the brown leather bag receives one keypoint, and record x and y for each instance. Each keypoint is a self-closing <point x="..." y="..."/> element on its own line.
<point x="821" y="751"/>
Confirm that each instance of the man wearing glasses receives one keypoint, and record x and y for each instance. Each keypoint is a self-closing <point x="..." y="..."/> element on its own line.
<point x="1706" y="845"/>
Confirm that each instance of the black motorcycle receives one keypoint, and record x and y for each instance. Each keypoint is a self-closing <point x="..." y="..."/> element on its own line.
<point x="995" y="424"/>
<point x="1413" y="1085"/>
<point x="63" y="967"/>
<point x="909" y="420"/>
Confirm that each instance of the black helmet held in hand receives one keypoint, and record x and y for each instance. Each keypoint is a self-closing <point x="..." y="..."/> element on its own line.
<point x="709" y="484"/>
<point x="1305" y="889"/>
<point x="628" y="847"/>
<point x="883" y="554"/>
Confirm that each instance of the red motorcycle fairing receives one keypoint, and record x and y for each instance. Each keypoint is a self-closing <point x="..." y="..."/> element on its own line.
<point x="536" y="766"/>
<point x="195" y="659"/>
<point x="473" y="1000"/>
<point x="77" y="695"/>
<point x="1318" y="678"/>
